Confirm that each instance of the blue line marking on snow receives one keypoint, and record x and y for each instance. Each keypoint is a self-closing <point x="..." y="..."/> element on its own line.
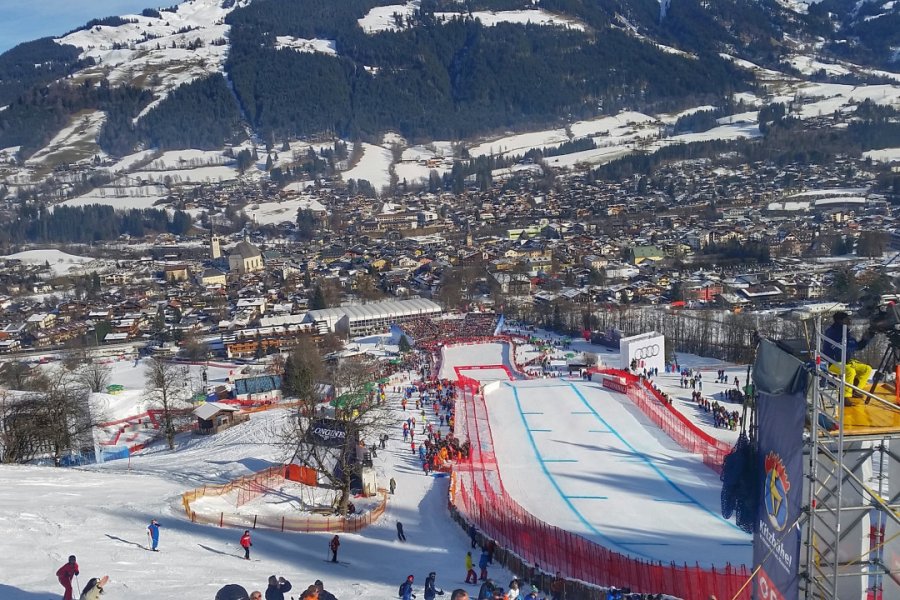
<point x="539" y="430"/>
<point x="599" y="431"/>
<point x="581" y="412"/>
<point x="649" y="462"/>
<point x="559" y="460"/>
<point x="555" y="485"/>
<point x="644" y="543"/>
<point x="673" y="501"/>
<point x="531" y="413"/>
<point x="588" y="497"/>
<point x="747" y="544"/>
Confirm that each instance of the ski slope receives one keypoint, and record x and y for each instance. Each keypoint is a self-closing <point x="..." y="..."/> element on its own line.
<point x="100" y="514"/>
<point x="585" y="459"/>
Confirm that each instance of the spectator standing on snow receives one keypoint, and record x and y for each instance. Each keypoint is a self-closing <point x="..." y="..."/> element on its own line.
<point x="430" y="591"/>
<point x="65" y="574"/>
<point x="400" y="535"/>
<point x="483" y="565"/>
<point x="406" y="588"/>
<point x="393" y="485"/>
<point x="470" y="572"/>
<point x="277" y="588"/>
<point x="323" y="593"/>
<point x="558" y="587"/>
<point x="473" y="534"/>
<point x="486" y="591"/>
<point x="491" y="546"/>
<point x="459" y="594"/>
<point x="246" y="543"/>
<point x="153" y="534"/>
<point x="334" y="545"/>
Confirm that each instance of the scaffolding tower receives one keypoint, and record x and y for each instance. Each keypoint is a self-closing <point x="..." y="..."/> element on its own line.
<point x="851" y="530"/>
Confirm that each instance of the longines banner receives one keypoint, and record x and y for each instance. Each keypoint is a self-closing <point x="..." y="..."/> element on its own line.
<point x="327" y="432"/>
<point x="776" y="544"/>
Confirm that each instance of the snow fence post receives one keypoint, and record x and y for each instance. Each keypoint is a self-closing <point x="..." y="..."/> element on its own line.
<point x="254" y="521"/>
<point x="221" y="519"/>
<point x="282" y="523"/>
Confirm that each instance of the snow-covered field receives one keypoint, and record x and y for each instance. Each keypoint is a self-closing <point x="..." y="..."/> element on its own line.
<point x="374" y="167"/>
<point x="885" y="155"/>
<point x="539" y="16"/>
<point x="272" y="213"/>
<point x="61" y="263"/>
<point x="76" y="142"/>
<point x="122" y="197"/>
<point x="304" y="45"/>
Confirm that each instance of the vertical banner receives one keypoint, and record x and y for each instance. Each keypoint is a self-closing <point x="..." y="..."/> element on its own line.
<point x="776" y="543"/>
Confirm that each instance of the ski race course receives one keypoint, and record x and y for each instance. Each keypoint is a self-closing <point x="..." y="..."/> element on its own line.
<point x="573" y="454"/>
<point x="585" y="459"/>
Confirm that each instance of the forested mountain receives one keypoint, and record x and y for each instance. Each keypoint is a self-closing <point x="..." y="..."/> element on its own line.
<point x="436" y="72"/>
<point x="451" y="78"/>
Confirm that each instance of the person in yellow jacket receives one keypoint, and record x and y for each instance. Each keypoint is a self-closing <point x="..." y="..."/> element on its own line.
<point x="471" y="575"/>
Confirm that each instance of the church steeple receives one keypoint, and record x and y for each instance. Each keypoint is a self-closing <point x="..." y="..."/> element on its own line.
<point x="215" y="249"/>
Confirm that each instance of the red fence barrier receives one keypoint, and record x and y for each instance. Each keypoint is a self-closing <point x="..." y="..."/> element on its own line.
<point x="678" y="427"/>
<point x="479" y="495"/>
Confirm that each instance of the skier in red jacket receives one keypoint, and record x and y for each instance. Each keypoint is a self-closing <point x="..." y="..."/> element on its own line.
<point x="246" y="543"/>
<point x="65" y="574"/>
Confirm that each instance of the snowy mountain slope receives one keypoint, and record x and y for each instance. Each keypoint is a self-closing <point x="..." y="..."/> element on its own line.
<point x="100" y="515"/>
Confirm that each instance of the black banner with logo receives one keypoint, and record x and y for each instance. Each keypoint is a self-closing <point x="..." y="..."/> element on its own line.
<point x="327" y="432"/>
<point x="776" y="543"/>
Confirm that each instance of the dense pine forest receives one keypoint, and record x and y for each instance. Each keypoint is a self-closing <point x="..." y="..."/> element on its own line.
<point x="85" y="224"/>
<point x="448" y="79"/>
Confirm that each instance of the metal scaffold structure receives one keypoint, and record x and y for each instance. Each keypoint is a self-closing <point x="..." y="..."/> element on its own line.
<point x="851" y="530"/>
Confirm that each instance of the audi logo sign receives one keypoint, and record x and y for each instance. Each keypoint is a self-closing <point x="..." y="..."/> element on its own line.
<point x="647" y="351"/>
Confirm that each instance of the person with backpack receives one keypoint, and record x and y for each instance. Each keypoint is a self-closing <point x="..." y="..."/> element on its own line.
<point x="65" y="574"/>
<point x="334" y="545"/>
<point x="406" y="589"/>
<point x="246" y="543"/>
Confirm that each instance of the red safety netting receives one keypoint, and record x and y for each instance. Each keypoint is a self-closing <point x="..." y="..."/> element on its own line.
<point x="678" y="427"/>
<point x="478" y="493"/>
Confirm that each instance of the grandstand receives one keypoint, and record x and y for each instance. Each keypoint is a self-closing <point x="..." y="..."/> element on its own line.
<point x="374" y="317"/>
<point x="471" y="325"/>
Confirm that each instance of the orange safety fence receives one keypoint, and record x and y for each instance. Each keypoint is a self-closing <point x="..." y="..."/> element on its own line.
<point x="478" y="493"/>
<point x="254" y="485"/>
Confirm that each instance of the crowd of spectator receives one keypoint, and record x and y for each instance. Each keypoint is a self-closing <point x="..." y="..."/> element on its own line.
<point x="722" y="417"/>
<point x="427" y="330"/>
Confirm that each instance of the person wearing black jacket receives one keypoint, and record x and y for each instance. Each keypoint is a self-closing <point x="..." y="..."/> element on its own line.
<point x="277" y="588"/>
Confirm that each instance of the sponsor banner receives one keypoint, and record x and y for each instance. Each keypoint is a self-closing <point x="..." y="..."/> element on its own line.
<point x="615" y="385"/>
<point x="327" y="432"/>
<point x="776" y="543"/>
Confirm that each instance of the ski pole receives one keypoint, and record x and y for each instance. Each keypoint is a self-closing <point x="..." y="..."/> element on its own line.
<point x="77" y="583"/>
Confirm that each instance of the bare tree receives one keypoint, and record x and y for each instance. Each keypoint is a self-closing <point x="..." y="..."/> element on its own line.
<point x="49" y="422"/>
<point x="94" y="376"/>
<point x="166" y="382"/>
<point x="303" y="372"/>
<point x="357" y="418"/>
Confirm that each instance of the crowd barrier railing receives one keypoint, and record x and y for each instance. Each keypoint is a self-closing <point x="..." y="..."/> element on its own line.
<point x="677" y="426"/>
<point x="479" y="496"/>
<point x="253" y="486"/>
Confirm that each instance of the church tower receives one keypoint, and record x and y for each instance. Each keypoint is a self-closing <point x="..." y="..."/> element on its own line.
<point x="215" y="250"/>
